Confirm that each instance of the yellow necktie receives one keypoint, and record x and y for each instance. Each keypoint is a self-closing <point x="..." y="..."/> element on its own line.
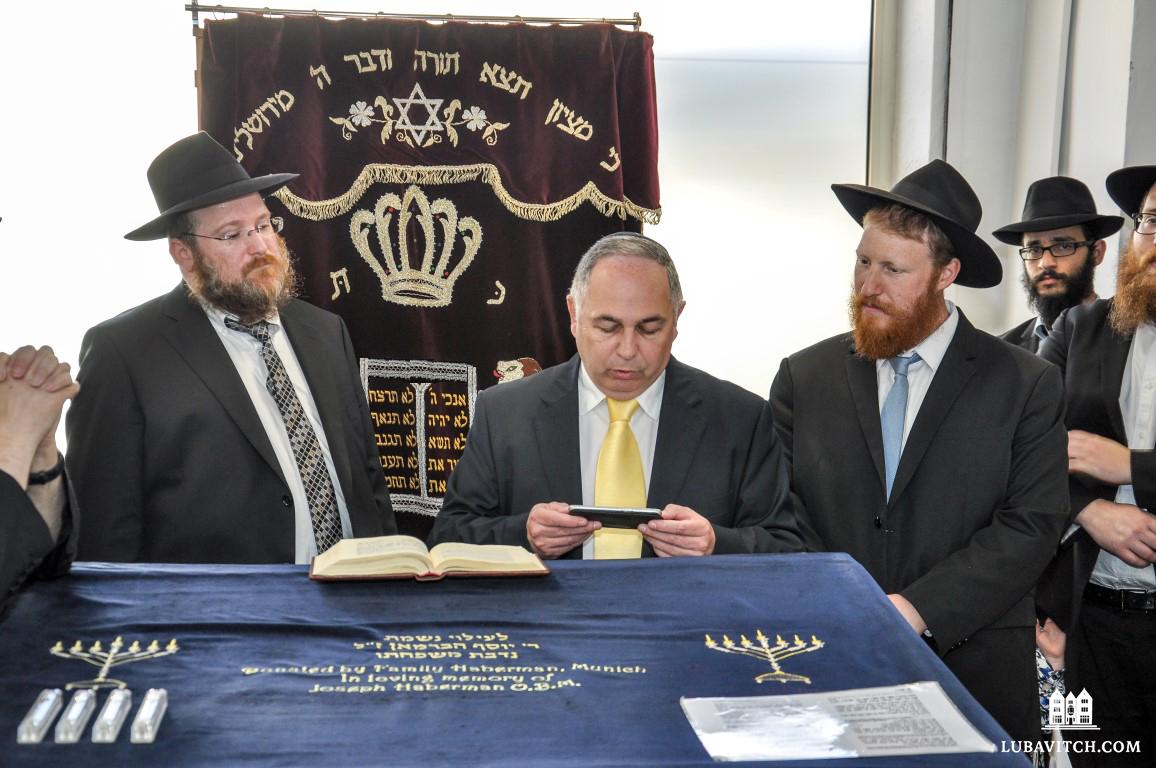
<point x="618" y="482"/>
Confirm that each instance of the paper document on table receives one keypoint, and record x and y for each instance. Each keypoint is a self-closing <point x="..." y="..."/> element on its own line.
<point x="912" y="719"/>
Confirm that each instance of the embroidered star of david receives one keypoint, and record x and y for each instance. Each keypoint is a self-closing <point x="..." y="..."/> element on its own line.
<point x="418" y="132"/>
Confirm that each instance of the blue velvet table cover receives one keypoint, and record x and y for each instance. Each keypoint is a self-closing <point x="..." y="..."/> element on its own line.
<point x="583" y="667"/>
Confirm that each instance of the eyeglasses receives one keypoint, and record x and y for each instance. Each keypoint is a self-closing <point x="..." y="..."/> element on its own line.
<point x="1059" y="250"/>
<point x="1145" y="223"/>
<point x="276" y="224"/>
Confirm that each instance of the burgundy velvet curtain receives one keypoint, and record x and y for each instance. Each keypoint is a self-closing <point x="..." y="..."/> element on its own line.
<point x="451" y="176"/>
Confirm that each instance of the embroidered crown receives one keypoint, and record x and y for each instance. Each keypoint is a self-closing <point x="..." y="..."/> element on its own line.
<point x="424" y="277"/>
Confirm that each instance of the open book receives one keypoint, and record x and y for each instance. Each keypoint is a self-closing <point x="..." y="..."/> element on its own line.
<point x="404" y="557"/>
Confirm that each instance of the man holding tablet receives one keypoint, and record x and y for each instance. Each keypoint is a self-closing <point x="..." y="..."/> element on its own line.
<point x="621" y="424"/>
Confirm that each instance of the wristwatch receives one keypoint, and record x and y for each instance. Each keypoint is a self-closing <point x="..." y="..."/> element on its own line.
<point x="48" y="475"/>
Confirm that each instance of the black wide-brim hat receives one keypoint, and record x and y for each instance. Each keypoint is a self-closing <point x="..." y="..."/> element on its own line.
<point x="1055" y="203"/>
<point x="197" y="172"/>
<point x="940" y="192"/>
<point x="1129" y="186"/>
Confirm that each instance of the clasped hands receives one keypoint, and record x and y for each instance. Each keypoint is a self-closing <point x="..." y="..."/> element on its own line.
<point x="553" y="531"/>
<point x="33" y="387"/>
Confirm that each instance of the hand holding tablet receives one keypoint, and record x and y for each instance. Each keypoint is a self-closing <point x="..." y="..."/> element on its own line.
<point x="617" y="517"/>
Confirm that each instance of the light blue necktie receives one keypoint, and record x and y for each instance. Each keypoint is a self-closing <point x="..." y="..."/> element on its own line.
<point x="893" y="415"/>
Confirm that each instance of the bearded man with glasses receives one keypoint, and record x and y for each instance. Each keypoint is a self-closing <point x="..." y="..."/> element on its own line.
<point x="1102" y="583"/>
<point x="224" y="421"/>
<point x="1061" y="242"/>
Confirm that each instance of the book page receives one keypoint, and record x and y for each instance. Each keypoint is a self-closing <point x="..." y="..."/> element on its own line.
<point x="377" y="554"/>
<point x="913" y="719"/>
<point x="455" y="556"/>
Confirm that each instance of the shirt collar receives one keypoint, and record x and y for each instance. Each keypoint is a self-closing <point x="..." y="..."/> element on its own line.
<point x="1145" y="330"/>
<point x="590" y="397"/>
<point x="1039" y="330"/>
<point x="217" y="317"/>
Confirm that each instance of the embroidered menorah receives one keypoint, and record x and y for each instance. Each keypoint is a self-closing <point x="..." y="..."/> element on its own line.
<point x="771" y="653"/>
<point x="115" y="655"/>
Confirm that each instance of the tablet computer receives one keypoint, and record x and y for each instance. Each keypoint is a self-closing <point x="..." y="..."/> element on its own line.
<point x="617" y="517"/>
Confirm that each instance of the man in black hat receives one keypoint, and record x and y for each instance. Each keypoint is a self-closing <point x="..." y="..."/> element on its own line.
<point x="928" y="450"/>
<point x="1106" y="352"/>
<point x="224" y="421"/>
<point x="1061" y="242"/>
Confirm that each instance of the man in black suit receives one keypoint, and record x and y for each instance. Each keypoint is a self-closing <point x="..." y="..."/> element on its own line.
<point x="1106" y="352"/>
<point x="931" y="452"/>
<point x="224" y="421"/>
<point x="702" y="450"/>
<point x="1061" y="242"/>
<point x="36" y="523"/>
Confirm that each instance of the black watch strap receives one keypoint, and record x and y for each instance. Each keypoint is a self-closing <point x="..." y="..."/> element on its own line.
<point x="48" y="475"/>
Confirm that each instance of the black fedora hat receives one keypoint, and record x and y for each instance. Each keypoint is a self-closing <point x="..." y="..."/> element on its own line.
<point x="1129" y="186"/>
<point x="1057" y="202"/>
<point x="940" y="192"/>
<point x="197" y="172"/>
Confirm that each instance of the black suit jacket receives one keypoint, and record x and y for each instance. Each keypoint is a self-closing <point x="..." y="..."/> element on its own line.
<point x="1023" y="335"/>
<point x="26" y="546"/>
<point x="716" y="452"/>
<point x="978" y="503"/>
<point x="168" y="456"/>
<point x="1091" y="357"/>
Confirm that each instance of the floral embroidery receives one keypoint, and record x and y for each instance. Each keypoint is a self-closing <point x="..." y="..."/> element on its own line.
<point x="475" y="118"/>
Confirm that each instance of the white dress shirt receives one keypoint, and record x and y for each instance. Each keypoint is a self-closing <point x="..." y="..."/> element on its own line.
<point x="594" y="421"/>
<point x="1138" y="407"/>
<point x="245" y="352"/>
<point x="931" y="351"/>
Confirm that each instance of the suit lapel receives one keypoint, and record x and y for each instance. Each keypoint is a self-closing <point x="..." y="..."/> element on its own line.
<point x="555" y="429"/>
<point x="1112" y="365"/>
<point x="680" y="428"/>
<point x="309" y="346"/>
<point x="193" y="338"/>
<point x="864" y="385"/>
<point x="955" y="370"/>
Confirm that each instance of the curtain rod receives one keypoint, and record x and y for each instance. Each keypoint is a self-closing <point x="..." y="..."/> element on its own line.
<point x="195" y="8"/>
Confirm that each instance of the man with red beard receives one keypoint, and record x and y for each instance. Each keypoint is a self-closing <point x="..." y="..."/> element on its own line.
<point x="1106" y="352"/>
<point x="932" y="452"/>
<point x="1061" y="242"/>
<point x="224" y="421"/>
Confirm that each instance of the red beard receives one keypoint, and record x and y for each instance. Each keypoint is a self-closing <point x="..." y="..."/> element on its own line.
<point x="1135" y="300"/>
<point x="248" y="300"/>
<point x="877" y="340"/>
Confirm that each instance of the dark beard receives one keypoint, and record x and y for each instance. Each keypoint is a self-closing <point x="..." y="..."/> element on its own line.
<point x="906" y="330"/>
<point x="1135" y="301"/>
<point x="248" y="302"/>
<point x="1078" y="287"/>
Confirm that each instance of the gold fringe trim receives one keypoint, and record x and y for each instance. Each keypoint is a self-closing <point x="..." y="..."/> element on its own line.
<point x="378" y="173"/>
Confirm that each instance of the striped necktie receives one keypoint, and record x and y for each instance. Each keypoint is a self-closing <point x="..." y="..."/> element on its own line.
<point x="302" y="439"/>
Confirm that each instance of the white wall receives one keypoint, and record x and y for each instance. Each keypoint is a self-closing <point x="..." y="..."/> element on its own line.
<point x="761" y="107"/>
<point x="84" y="113"/>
